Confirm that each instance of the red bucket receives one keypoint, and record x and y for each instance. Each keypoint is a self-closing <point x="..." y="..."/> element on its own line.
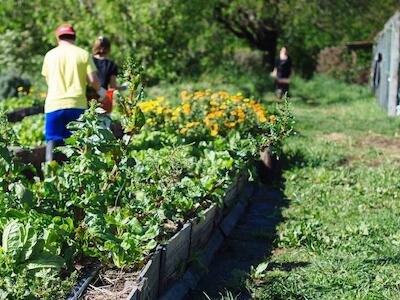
<point x="108" y="101"/>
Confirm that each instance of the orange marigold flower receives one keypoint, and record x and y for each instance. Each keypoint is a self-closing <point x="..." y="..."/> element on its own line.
<point x="186" y="109"/>
<point x="219" y="113"/>
<point x="211" y="116"/>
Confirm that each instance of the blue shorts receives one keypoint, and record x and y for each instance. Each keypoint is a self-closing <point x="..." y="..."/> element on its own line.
<point x="56" y="123"/>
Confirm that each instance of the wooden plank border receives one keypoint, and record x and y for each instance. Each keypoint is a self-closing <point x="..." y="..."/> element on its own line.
<point x="18" y="114"/>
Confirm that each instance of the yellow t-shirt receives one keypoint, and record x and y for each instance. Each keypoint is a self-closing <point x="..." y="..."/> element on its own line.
<point x="65" y="68"/>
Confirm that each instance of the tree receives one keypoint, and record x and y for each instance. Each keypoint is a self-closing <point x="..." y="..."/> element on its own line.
<point x="254" y="21"/>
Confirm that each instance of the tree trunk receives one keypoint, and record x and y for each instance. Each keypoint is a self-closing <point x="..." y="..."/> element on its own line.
<point x="260" y="34"/>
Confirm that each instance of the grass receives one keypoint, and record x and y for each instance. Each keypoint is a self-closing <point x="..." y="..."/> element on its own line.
<point x="340" y="238"/>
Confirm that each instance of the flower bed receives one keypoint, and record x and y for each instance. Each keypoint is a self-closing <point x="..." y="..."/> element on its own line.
<point x="115" y="200"/>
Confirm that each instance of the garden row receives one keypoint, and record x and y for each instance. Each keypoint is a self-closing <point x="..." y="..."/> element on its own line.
<point x="115" y="200"/>
<point x="173" y="268"/>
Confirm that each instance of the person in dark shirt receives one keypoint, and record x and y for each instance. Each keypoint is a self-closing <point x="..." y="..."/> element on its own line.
<point x="106" y="72"/>
<point x="282" y="72"/>
<point x="106" y="69"/>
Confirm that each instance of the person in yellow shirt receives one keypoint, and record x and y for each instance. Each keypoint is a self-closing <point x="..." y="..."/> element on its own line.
<point x="67" y="69"/>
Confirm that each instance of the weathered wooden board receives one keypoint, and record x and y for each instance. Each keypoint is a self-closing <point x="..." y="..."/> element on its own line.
<point x="175" y="256"/>
<point x="19" y="114"/>
<point x="34" y="156"/>
<point x="192" y="276"/>
<point x="218" y="215"/>
<point x="135" y="294"/>
<point x="150" y="277"/>
<point x="229" y="222"/>
<point x="202" y="229"/>
<point x="37" y="156"/>
<point x="230" y="196"/>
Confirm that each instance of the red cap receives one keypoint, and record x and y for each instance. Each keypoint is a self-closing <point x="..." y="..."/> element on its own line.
<point x="65" y="29"/>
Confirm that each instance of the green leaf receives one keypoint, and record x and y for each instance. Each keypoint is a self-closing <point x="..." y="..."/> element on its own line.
<point x="31" y="240"/>
<point x="13" y="237"/>
<point x="151" y="233"/>
<point x="3" y="294"/>
<point x="150" y="245"/>
<point x="52" y="262"/>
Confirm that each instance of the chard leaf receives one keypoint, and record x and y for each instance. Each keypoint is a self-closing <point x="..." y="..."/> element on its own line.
<point x="30" y="241"/>
<point x="13" y="237"/>
<point x="49" y="262"/>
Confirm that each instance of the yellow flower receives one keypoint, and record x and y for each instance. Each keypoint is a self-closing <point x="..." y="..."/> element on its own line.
<point x="237" y="97"/>
<point x="213" y="103"/>
<point x="214" y="130"/>
<point x="272" y="119"/>
<point x="262" y="119"/>
<point x="211" y="116"/>
<point x="43" y="94"/>
<point x="183" y="130"/>
<point x="173" y="118"/>
<point x="219" y="113"/>
<point x="199" y="94"/>
<point x="241" y="114"/>
<point x="159" y="110"/>
<point x="20" y="89"/>
<point x="192" y="124"/>
<point x="176" y="111"/>
<point x="186" y="109"/>
<point x="223" y="95"/>
<point x="185" y="95"/>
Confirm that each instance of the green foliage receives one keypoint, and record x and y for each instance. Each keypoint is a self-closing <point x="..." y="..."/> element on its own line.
<point x="22" y="101"/>
<point x="10" y="83"/>
<point x="114" y="199"/>
<point x="30" y="131"/>
<point x="175" y="38"/>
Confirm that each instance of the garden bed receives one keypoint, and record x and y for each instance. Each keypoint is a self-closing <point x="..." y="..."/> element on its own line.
<point x="147" y="203"/>
<point x="165" y="273"/>
<point x="18" y="114"/>
<point x="36" y="155"/>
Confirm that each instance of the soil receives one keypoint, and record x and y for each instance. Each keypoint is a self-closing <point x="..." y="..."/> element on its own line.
<point x="386" y="147"/>
<point x="111" y="285"/>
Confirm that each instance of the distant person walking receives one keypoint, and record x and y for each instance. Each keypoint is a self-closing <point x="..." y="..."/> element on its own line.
<point x="67" y="69"/>
<point x="282" y="72"/>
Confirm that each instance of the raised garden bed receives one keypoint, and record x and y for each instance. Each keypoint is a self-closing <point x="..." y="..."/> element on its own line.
<point x="169" y="273"/>
<point x="114" y="201"/>
<point x="36" y="156"/>
<point x="18" y="114"/>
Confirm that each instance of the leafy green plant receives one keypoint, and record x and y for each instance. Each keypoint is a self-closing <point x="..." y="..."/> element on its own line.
<point x="30" y="131"/>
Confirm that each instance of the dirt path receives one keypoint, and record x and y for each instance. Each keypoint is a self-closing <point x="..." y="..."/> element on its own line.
<point x="247" y="245"/>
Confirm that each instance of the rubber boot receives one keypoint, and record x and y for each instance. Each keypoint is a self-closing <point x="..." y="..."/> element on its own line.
<point x="50" y="146"/>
